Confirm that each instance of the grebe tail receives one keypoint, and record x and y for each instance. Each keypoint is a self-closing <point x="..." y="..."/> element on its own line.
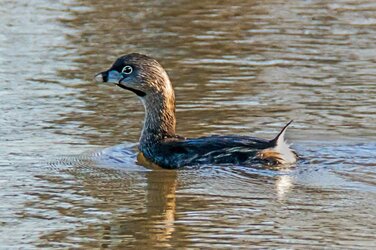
<point x="280" y="153"/>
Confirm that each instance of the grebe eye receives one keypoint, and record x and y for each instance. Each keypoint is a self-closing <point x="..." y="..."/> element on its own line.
<point x="127" y="70"/>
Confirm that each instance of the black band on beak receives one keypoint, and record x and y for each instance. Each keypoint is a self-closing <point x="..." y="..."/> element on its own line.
<point x="105" y="76"/>
<point x="101" y="77"/>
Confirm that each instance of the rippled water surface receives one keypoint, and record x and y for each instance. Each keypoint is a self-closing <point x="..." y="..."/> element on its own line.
<point x="69" y="175"/>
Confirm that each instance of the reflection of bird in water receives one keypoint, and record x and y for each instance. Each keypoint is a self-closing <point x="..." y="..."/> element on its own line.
<point x="159" y="144"/>
<point x="283" y="185"/>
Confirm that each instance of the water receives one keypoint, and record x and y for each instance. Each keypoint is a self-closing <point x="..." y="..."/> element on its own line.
<point x="69" y="176"/>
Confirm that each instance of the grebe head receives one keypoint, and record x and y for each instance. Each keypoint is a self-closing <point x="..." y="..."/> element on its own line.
<point x="140" y="74"/>
<point x="145" y="77"/>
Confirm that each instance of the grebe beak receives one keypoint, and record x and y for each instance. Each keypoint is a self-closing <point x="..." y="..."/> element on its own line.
<point x="110" y="76"/>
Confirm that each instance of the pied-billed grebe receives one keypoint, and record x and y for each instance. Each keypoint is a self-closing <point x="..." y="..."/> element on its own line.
<point x="159" y="144"/>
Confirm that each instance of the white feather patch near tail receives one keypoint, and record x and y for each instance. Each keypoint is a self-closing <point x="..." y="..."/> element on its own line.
<point x="281" y="152"/>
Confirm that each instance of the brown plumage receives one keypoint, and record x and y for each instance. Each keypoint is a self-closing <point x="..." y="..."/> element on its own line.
<point x="159" y="143"/>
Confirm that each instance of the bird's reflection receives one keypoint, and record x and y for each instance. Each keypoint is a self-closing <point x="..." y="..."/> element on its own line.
<point x="132" y="208"/>
<point x="160" y="200"/>
<point x="283" y="186"/>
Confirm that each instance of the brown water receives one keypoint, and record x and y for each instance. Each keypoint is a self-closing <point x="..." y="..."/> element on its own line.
<point x="68" y="175"/>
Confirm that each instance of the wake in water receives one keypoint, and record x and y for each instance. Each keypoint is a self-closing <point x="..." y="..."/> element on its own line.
<point x="332" y="165"/>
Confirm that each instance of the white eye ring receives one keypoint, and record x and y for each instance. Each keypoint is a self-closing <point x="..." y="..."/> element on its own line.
<point x="127" y="70"/>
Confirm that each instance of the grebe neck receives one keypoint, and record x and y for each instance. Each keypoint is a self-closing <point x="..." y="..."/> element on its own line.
<point x="160" y="120"/>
